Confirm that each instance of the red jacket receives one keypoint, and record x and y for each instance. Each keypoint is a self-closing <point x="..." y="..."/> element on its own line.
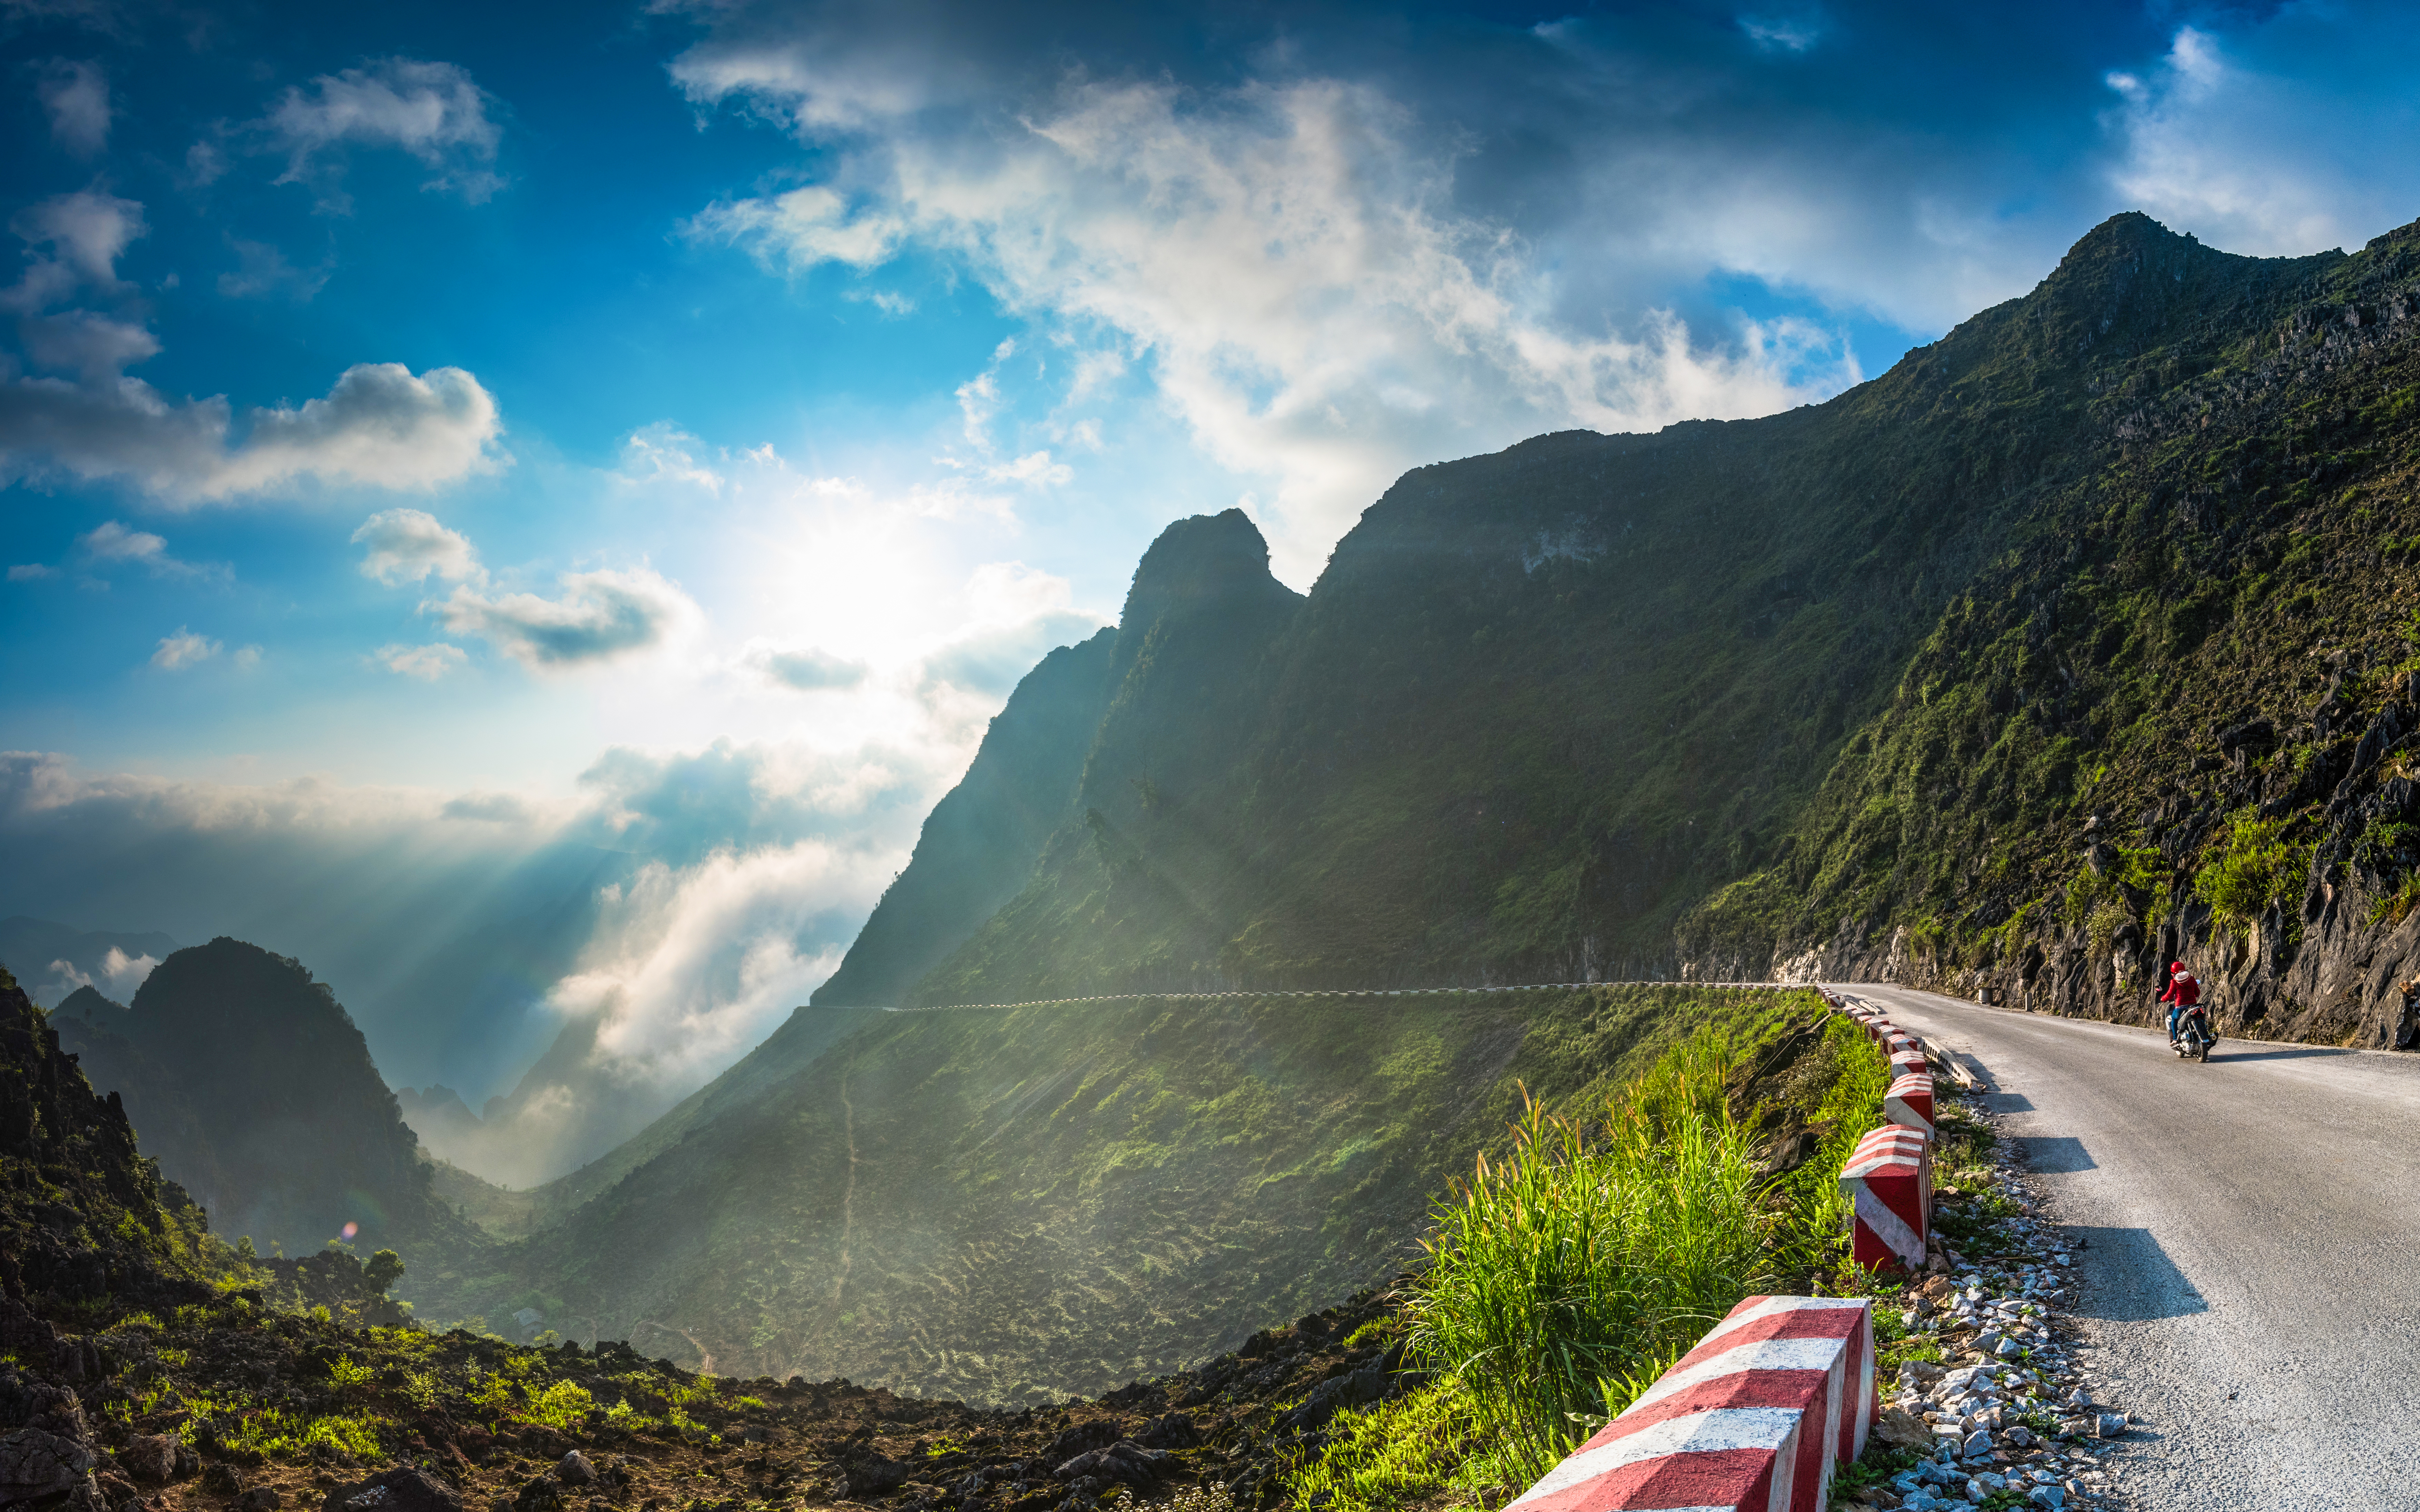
<point x="2183" y="990"/>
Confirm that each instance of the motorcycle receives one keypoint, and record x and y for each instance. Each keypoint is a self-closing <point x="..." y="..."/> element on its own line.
<point x="2193" y="1039"/>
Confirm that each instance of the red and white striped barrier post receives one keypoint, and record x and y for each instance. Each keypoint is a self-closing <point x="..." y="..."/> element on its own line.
<point x="1756" y="1416"/>
<point x="1908" y="1063"/>
<point x="1889" y="1182"/>
<point x="1909" y="1103"/>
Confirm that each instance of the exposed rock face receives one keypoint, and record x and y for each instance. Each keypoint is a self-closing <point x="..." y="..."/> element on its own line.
<point x="409" y="1488"/>
<point x="45" y="1444"/>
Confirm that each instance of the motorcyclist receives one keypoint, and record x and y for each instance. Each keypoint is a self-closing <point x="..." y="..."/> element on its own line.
<point x="2184" y="991"/>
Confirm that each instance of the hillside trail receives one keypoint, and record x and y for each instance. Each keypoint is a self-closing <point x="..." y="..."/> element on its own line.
<point x="848" y="1187"/>
<point x="705" y="1355"/>
<point x="2246" y="1229"/>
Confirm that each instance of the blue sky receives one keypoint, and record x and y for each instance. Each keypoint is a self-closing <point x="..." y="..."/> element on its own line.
<point x="430" y="427"/>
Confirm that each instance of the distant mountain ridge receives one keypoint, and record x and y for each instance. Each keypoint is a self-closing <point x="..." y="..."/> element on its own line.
<point x="249" y="1085"/>
<point x="41" y="947"/>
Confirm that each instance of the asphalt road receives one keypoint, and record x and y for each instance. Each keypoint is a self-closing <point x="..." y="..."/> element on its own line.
<point x="2252" y="1275"/>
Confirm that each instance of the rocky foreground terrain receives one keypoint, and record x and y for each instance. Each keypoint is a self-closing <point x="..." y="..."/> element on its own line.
<point x="148" y="1366"/>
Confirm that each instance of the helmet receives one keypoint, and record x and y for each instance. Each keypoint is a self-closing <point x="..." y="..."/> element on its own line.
<point x="2176" y="965"/>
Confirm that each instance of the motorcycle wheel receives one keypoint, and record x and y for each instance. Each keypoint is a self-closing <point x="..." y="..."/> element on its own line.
<point x="2204" y="1052"/>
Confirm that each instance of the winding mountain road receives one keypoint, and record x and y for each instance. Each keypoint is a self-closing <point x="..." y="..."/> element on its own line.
<point x="2251" y="1271"/>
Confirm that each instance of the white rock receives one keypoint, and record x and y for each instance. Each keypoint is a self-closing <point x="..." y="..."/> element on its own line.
<point x="2108" y="1425"/>
<point x="1979" y="1442"/>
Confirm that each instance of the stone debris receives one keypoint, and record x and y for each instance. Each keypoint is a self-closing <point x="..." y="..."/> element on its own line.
<point x="2011" y="1418"/>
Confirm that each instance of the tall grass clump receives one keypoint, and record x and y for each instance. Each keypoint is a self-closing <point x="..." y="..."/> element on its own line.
<point x="1816" y="1240"/>
<point x="1567" y="1271"/>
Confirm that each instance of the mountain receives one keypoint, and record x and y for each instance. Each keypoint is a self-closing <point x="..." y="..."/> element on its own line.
<point x="1009" y="1206"/>
<point x="1189" y="669"/>
<point x="88" y="1006"/>
<point x="251" y="1086"/>
<point x="2173" y="718"/>
<point x="61" y="958"/>
<point x="1542" y="704"/>
<point x="2075" y="641"/>
<point x="981" y="840"/>
<point x="2083" y="636"/>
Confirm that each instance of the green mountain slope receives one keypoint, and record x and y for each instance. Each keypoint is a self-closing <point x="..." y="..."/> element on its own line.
<point x="1542" y="703"/>
<point x="1012" y="1205"/>
<point x="980" y="843"/>
<point x="2175" y="715"/>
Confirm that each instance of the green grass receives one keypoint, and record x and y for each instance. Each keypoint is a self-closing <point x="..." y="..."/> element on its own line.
<point x="1589" y="1250"/>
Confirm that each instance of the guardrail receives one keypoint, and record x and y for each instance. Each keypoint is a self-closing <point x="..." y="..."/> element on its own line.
<point x="1308" y="991"/>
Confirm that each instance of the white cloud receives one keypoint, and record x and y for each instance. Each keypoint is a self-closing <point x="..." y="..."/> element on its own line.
<point x="87" y="232"/>
<point x="76" y="97"/>
<point x="666" y="454"/>
<point x="600" y="616"/>
<point x="1018" y="614"/>
<point x="433" y="110"/>
<point x="427" y="663"/>
<point x="246" y="657"/>
<point x="410" y="545"/>
<point x="111" y="543"/>
<point x="804" y="227"/>
<point x="183" y="650"/>
<point x="2248" y="147"/>
<point x="25" y="572"/>
<point x="696" y="963"/>
<point x="262" y="270"/>
<point x="1033" y="470"/>
<point x="380" y="426"/>
<point x="1308" y="304"/>
<point x="804" y="669"/>
<point x="94" y="346"/>
<point x="117" y="979"/>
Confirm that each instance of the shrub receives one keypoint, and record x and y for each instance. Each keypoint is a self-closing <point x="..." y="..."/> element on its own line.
<point x="2256" y="870"/>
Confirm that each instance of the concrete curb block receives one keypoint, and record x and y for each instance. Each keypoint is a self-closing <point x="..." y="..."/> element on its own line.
<point x="1909" y="1103"/>
<point x="1756" y="1416"/>
<point x="1889" y="1182"/>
